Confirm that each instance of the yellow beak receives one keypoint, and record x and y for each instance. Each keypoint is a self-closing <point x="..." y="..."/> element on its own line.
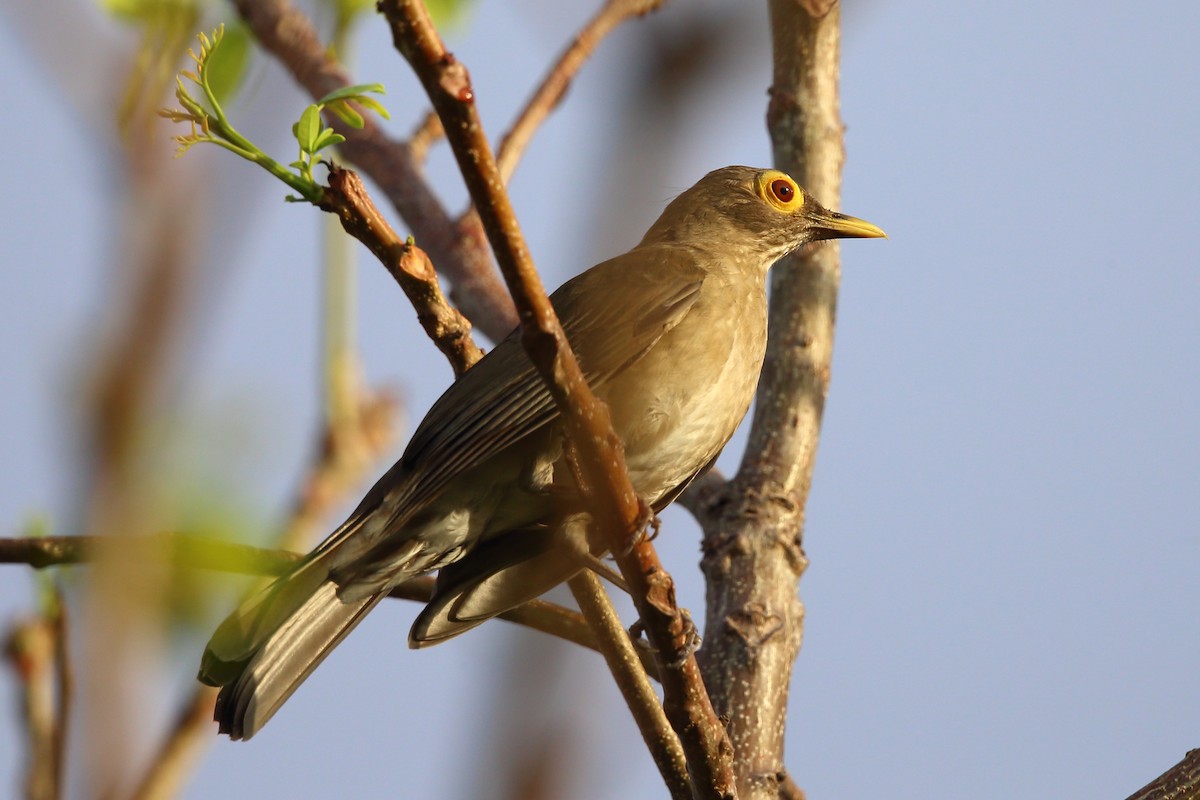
<point x="832" y="225"/>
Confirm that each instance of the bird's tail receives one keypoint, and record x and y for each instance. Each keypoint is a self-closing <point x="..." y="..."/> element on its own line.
<point x="269" y="645"/>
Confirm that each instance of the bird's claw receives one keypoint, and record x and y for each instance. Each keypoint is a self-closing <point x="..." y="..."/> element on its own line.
<point x="691" y="639"/>
<point x="647" y="526"/>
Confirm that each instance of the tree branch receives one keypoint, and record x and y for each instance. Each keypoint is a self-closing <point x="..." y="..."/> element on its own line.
<point x="197" y="552"/>
<point x="558" y="79"/>
<point x="1180" y="782"/>
<point x="622" y="658"/>
<point x="753" y="555"/>
<point x="617" y="509"/>
<point x="285" y="32"/>
<point x="30" y="648"/>
<point x="408" y="264"/>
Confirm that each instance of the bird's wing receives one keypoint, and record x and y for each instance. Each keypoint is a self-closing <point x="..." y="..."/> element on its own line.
<point x="612" y="314"/>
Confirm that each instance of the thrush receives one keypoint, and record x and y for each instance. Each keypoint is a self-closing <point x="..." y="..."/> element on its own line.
<point x="671" y="335"/>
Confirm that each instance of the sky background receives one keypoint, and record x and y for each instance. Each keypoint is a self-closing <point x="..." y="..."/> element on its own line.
<point x="1004" y="529"/>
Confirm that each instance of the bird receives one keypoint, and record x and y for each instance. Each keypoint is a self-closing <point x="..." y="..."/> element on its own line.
<point x="670" y="335"/>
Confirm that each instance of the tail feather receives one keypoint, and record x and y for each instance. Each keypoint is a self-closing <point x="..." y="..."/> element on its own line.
<point x="269" y="645"/>
<point x="281" y="663"/>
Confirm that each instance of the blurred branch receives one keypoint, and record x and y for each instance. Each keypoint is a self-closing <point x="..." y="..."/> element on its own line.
<point x="349" y="446"/>
<point x="192" y="551"/>
<point x="30" y="648"/>
<point x="424" y="135"/>
<point x="605" y="480"/>
<point x="196" y="552"/>
<point x="1180" y="782"/>
<point x="180" y="749"/>
<point x="285" y="32"/>
<point x="622" y="659"/>
<point x="753" y="555"/>
<point x="558" y="79"/>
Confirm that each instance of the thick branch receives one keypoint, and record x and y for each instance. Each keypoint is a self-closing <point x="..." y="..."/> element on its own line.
<point x="752" y="528"/>
<point x="1180" y="782"/>
<point x="290" y="36"/>
<point x="588" y="425"/>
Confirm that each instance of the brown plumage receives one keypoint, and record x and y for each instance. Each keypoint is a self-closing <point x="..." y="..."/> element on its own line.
<point x="671" y="335"/>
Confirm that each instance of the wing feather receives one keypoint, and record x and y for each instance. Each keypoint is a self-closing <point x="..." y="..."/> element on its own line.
<point x="502" y="399"/>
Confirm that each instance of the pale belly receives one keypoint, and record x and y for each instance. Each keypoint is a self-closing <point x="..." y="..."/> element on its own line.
<point x="695" y="387"/>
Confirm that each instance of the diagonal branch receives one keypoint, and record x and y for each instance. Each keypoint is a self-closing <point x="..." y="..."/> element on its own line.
<point x="1180" y="782"/>
<point x="288" y="34"/>
<point x="622" y="659"/>
<point x="558" y="79"/>
<point x="552" y="90"/>
<point x="409" y="265"/>
<point x="619" y="513"/>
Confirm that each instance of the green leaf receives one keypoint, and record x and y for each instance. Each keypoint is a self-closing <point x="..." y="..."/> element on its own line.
<point x="227" y="64"/>
<point x="337" y="102"/>
<point x="374" y="105"/>
<point x="351" y="92"/>
<point x="327" y="138"/>
<point x="307" y="128"/>
<point x="346" y="114"/>
<point x="448" y="13"/>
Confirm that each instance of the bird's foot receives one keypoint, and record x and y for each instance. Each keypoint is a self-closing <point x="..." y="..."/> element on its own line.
<point x="691" y="639"/>
<point x="646" y="526"/>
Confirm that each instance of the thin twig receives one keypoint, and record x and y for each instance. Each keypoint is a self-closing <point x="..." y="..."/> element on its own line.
<point x="622" y="658"/>
<point x="788" y="790"/>
<point x="287" y="33"/>
<point x="553" y="88"/>
<point x="409" y="265"/>
<point x="196" y="552"/>
<point x="558" y="78"/>
<point x="618" y="511"/>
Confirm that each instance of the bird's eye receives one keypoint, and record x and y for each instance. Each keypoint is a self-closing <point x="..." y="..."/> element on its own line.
<point x="783" y="191"/>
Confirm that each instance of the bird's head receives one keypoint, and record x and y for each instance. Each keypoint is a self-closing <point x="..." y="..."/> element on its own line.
<point x="761" y="213"/>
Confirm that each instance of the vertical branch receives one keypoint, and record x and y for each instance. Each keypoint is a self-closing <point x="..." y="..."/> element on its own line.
<point x="30" y="648"/>
<point x="753" y="554"/>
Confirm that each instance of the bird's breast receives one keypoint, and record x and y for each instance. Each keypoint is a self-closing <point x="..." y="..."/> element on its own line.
<point x="680" y="404"/>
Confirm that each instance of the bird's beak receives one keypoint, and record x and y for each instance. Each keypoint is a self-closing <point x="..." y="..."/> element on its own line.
<point x="832" y="225"/>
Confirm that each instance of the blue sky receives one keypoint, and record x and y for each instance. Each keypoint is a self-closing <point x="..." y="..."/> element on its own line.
<point x="1004" y="529"/>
